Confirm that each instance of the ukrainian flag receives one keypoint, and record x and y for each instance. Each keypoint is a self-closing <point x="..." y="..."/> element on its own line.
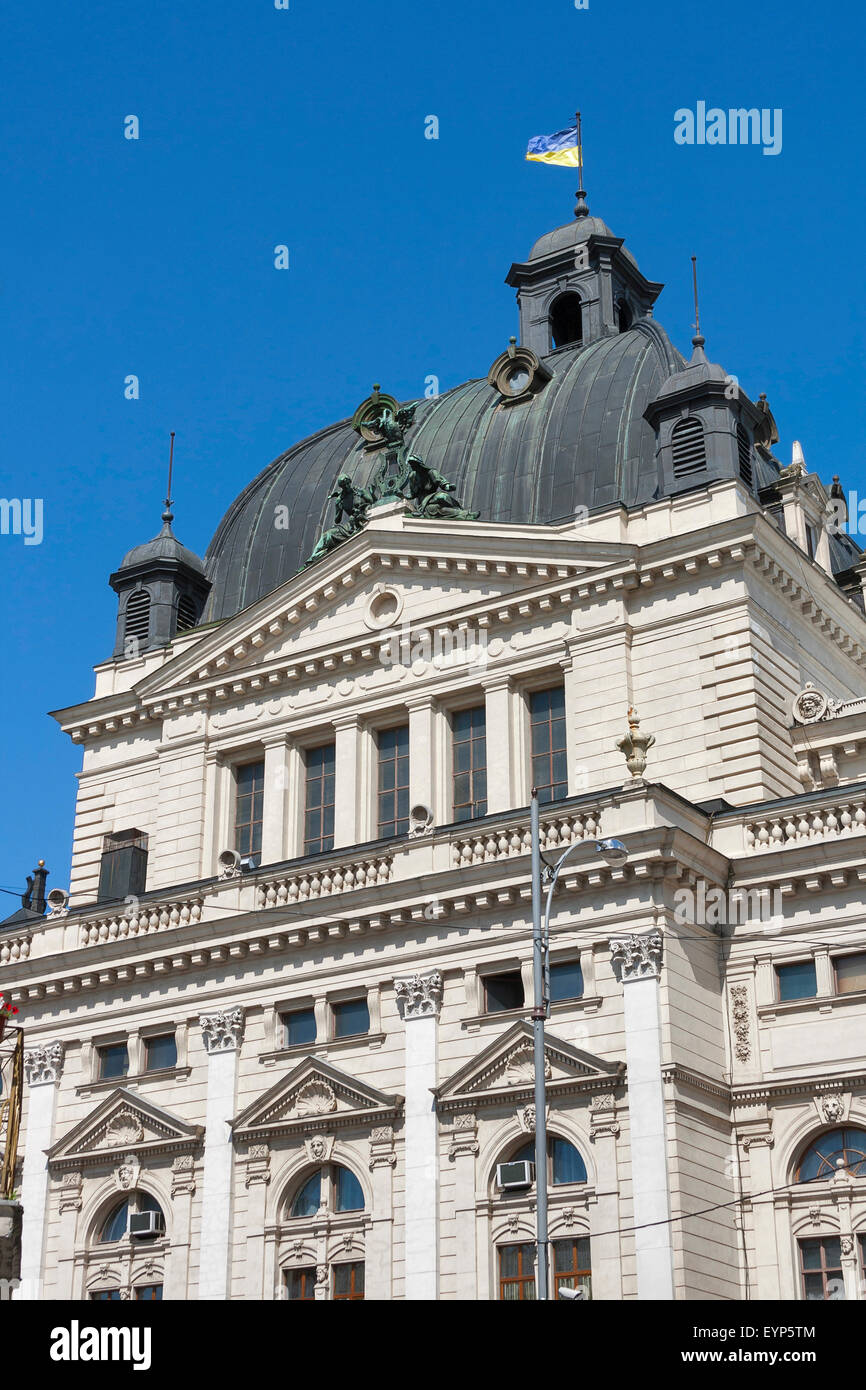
<point x="561" y="148"/>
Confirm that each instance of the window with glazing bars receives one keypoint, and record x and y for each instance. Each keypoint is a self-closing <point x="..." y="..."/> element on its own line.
<point x="821" y="1269"/>
<point x="394" y="781"/>
<point x="249" y="803"/>
<point x="547" y="725"/>
<point x="469" y="742"/>
<point x="319" y="812"/>
<point x="517" y="1273"/>
<point x="571" y="1266"/>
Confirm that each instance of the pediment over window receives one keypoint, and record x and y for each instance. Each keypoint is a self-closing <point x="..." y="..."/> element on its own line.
<point x="312" y="1095"/>
<point x="123" y="1123"/>
<point x="504" y="1071"/>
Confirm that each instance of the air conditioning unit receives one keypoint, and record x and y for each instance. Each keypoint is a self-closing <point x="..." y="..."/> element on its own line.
<point x="146" y="1223"/>
<point x="520" y="1174"/>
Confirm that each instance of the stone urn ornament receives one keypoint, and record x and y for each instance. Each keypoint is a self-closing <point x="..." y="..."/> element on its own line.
<point x="634" y="745"/>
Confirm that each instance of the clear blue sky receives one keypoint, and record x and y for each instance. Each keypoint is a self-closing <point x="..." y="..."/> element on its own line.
<point x="305" y="127"/>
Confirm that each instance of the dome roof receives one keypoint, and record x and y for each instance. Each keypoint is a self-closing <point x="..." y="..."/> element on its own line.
<point x="165" y="546"/>
<point x="572" y="234"/>
<point x="581" y="441"/>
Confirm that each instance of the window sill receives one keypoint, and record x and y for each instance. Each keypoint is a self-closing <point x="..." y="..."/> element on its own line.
<point x="320" y="1049"/>
<point x="819" y="1003"/>
<point x="587" y="1003"/>
<point x="165" y="1074"/>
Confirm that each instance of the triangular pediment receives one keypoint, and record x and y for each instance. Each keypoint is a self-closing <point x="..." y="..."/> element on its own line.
<point x="505" y="1069"/>
<point x="124" y="1123"/>
<point x="314" y="1093"/>
<point x="324" y="618"/>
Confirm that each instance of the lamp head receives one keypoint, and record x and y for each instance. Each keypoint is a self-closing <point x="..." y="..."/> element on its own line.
<point x="614" y="851"/>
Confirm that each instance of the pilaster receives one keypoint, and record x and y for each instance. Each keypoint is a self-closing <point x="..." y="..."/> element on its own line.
<point x="346" y="770"/>
<point x="43" y="1066"/>
<point x="637" y="961"/>
<point x="221" y="1033"/>
<point x="419" y="999"/>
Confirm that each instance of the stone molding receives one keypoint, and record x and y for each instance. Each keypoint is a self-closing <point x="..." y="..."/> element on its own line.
<point x="222" y="1031"/>
<point x="258" y="1166"/>
<point x="382" y="1153"/>
<point x="637" y="957"/>
<point x="419" y="996"/>
<point x="464" y="1134"/>
<point x="43" y="1064"/>
<point x="183" y="1176"/>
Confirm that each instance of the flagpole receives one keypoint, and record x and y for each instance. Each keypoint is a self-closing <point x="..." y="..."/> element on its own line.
<point x="581" y="209"/>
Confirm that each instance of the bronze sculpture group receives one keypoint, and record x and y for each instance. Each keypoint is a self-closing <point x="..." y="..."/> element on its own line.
<point x="400" y="475"/>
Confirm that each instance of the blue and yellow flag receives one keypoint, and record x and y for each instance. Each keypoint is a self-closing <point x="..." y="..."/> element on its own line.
<point x="561" y="148"/>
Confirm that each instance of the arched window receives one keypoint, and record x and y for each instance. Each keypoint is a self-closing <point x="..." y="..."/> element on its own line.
<point x="564" y="1162"/>
<point x="744" y="455"/>
<point x="333" y="1187"/>
<point x="566" y="322"/>
<point x="838" y="1148"/>
<point x="623" y="315"/>
<point x="116" y="1224"/>
<point x="138" y="614"/>
<point x="688" y="449"/>
<point x="186" y="613"/>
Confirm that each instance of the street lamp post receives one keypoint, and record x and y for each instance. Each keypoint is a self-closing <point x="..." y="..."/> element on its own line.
<point x="616" y="853"/>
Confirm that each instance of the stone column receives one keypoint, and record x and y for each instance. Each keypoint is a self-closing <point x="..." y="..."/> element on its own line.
<point x="766" y="1256"/>
<point x="637" y="962"/>
<point x="499" y="727"/>
<point x="276" y="800"/>
<point x="257" y="1179"/>
<point x="347" y="748"/>
<point x="222" y="1037"/>
<point x="606" y="1254"/>
<point x="42" y="1068"/>
<point x="419" y="999"/>
<point x="463" y="1151"/>
<point x="421" y="742"/>
<point x="379" y="1256"/>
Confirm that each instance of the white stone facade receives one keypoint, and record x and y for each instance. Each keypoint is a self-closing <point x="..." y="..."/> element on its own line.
<point x="682" y="1080"/>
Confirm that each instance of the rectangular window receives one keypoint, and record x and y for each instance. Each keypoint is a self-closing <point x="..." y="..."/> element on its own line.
<point x="566" y="980"/>
<point x="821" y="1269"/>
<point x="517" y="1273"/>
<point x="503" y="992"/>
<point x="301" y="1285"/>
<point x="105" y="1296"/>
<point x="811" y="540"/>
<point x="148" y="1293"/>
<point x="547" y="729"/>
<point x="160" y="1053"/>
<point x="469" y="743"/>
<point x="850" y="973"/>
<point x="349" y="1281"/>
<point x="249" y="804"/>
<point x="319" y="811"/>
<point x="797" y="981"/>
<point x="113" y="1061"/>
<point x="394" y="781"/>
<point x="351" y="1018"/>
<point x="571" y="1266"/>
<point x="299" y="1027"/>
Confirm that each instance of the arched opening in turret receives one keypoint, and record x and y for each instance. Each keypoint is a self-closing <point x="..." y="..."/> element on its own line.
<point x="138" y="615"/>
<point x="566" y="322"/>
<point x="623" y="315"/>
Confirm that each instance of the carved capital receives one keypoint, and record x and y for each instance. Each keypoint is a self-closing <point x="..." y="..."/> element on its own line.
<point x="419" y="996"/>
<point x="222" y="1031"/>
<point x="637" y="957"/>
<point x="464" y="1132"/>
<point x="602" y="1116"/>
<point x="182" y="1175"/>
<point x="43" y="1064"/>
<point x="70" y="1192"/>
<point x="258" y="1165"/>
<point x="382" y="1153"/>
